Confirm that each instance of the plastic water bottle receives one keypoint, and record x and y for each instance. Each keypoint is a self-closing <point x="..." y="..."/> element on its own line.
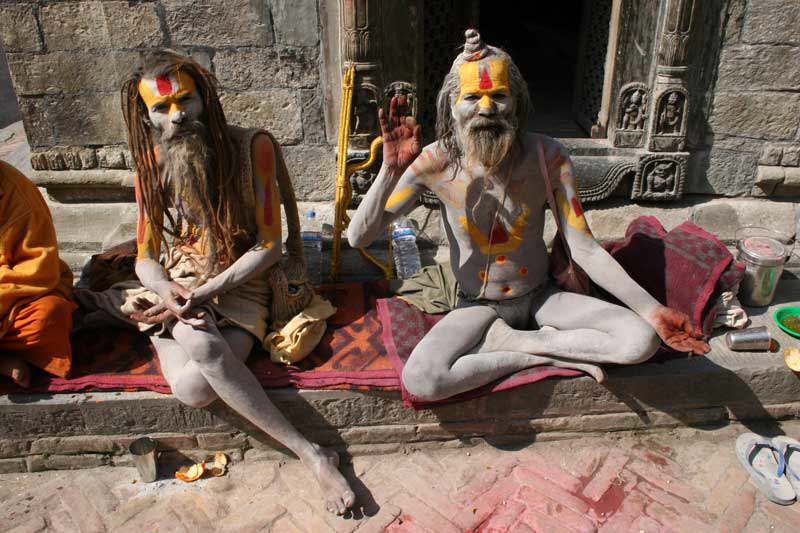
<point x="312" y="246"/>
<point x="404" y="248"/>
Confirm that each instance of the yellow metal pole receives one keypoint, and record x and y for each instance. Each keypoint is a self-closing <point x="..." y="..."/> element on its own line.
<point x="344" y="191"/>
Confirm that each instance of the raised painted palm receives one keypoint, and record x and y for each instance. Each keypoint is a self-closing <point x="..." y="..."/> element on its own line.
<point x="402" y="136"/>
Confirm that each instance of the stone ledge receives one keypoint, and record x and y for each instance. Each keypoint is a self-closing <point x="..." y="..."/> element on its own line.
<point x="60" y="431"/>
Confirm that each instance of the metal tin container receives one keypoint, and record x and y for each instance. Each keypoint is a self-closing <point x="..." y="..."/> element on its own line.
<point x="750" y="339"/>
<point x="764" y="258"/>
<point x="143" y="451"/>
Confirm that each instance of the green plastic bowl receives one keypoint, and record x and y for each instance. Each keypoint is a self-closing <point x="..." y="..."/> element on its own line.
<point x="784" y="312"/>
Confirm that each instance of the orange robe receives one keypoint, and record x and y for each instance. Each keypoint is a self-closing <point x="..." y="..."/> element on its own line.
<point x="35" y="285"/>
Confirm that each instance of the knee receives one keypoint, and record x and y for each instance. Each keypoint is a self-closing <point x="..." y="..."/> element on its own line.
<point x="423" y="382"/>
<point x="206" y="353"/>
<point x="193" y="390"/>
<point x="637" y="340"/>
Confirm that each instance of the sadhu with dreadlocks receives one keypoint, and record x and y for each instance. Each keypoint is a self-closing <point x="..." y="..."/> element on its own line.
<point x="207" y="194"/>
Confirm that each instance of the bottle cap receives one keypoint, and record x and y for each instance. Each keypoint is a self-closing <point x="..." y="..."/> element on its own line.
<point x="311" y="213"/>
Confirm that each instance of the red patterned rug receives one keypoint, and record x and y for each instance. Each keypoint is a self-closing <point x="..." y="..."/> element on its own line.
<point x="350" y="355"/>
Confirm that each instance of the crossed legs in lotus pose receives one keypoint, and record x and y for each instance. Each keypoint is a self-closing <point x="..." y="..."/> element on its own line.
<point x="472" y="346"/>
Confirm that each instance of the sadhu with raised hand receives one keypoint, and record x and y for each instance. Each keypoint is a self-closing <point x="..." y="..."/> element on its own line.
<point x="485" y="168"/>
<point x="35" y="285"/>
<point x="209" y="200"/>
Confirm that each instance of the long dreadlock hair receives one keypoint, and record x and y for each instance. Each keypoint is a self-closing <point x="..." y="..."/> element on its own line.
<point x="221" y="193"/>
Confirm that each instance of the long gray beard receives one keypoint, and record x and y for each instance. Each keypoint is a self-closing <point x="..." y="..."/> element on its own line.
<point x="186" y="162"/>
<point x="488" y="142"/>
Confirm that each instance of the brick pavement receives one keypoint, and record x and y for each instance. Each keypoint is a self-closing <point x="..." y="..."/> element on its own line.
<point x="684" y="480"/>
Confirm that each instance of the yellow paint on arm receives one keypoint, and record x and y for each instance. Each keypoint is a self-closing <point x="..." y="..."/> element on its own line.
<point x="399" y="196"/>
<point x="572" y="213"/>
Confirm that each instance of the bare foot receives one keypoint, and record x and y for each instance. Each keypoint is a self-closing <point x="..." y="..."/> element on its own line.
<point x="17" y="369"/>
<point x="325" y="466"/>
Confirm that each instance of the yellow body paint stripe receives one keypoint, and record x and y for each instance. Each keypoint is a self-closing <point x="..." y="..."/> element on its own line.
<point x="573" y="219"/>
<point x="514" y="235"/>
<point x="398" y="197"/>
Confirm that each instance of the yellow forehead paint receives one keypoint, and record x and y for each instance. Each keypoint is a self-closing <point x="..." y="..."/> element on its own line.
<point x="483" y="78"/>
<point x="166" y="89"/>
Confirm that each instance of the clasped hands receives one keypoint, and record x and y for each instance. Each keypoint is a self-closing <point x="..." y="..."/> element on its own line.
<point x="176" y="301"/>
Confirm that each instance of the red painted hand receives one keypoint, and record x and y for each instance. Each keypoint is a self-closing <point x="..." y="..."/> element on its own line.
<point x="676" y="330"/>
<point x="402" y="136"/>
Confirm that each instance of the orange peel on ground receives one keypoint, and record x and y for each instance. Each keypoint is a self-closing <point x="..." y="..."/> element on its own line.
<point x="220" y="465"/>
<point x="196" y="471"/>
<point x="791" y="357"/>
<point x="190" y="473"/>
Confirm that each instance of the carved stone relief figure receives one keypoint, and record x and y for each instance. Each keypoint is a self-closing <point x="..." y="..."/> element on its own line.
<point x="659" y="177"/>
<point x="634" y="110"/>
<point x="670" y="115"/>
<point x="669" y="121"/>
<point x="631" y="115"/>
<point x="365" y="111"/>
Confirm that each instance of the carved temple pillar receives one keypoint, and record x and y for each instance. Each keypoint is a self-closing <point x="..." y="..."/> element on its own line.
<point x="662" y="173"/>
<point x="360" y="47"/>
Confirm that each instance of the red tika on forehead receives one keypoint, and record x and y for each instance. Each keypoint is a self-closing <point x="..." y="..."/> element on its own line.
<point x="485" y="80"/>
<point x="164" y="85"/>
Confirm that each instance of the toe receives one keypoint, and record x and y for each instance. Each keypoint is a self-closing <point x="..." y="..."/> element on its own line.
<point x="340" y="507"/>
<point x="349" y="498"/>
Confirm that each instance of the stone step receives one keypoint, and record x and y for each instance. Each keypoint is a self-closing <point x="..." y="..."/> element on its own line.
<point x="83" y="430"/>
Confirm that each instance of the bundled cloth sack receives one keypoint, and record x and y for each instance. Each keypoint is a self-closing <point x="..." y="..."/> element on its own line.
<point x="294" y="341"/>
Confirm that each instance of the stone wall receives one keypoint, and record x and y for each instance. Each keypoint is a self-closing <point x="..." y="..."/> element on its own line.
<point x="67" y="61"/>
<point x="754" y="124"/>
<point x="9" y="110"/>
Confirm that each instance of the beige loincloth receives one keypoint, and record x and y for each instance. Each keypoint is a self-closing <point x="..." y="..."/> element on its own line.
<point x="245" y="306"/>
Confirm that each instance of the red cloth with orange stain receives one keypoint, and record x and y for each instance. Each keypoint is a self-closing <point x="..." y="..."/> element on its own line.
<point x="35" y="285"/>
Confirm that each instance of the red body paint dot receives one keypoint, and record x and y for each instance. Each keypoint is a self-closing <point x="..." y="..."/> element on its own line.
<point x="523" y="271"/>
<point x="163" y="85"/>
<point x="500" y="259"/>
<point x="576" y="207"/>
<point x="486" y="81"/>
<point x="506" y="289"/>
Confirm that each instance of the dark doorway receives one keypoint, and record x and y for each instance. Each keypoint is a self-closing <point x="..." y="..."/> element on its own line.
<point x="545" y="43"/>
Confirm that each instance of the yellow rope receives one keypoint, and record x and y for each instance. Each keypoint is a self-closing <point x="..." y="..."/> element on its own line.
<point x="344" y="191"/>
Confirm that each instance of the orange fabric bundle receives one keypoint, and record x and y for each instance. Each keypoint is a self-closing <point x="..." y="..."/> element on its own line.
<point x="29" y="270"/>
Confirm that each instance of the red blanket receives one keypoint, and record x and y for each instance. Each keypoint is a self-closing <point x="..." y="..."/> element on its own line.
<point x="686" y="268"/>
<point x="349" y="356"/>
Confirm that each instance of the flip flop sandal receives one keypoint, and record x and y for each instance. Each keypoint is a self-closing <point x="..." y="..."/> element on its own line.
<point x="758" y="456"/>
<point x="789" y="449"/>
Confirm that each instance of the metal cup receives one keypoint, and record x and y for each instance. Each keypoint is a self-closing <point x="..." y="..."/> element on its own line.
<point x="749" y="339"/>
<point x="143" y="451"/>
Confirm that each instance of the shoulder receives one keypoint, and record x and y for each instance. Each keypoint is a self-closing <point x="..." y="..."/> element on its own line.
<point x="554" y="151"/>
<point x="431" y="161"/>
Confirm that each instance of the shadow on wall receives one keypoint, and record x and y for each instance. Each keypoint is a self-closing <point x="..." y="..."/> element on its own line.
<point x="9" y="109"/>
